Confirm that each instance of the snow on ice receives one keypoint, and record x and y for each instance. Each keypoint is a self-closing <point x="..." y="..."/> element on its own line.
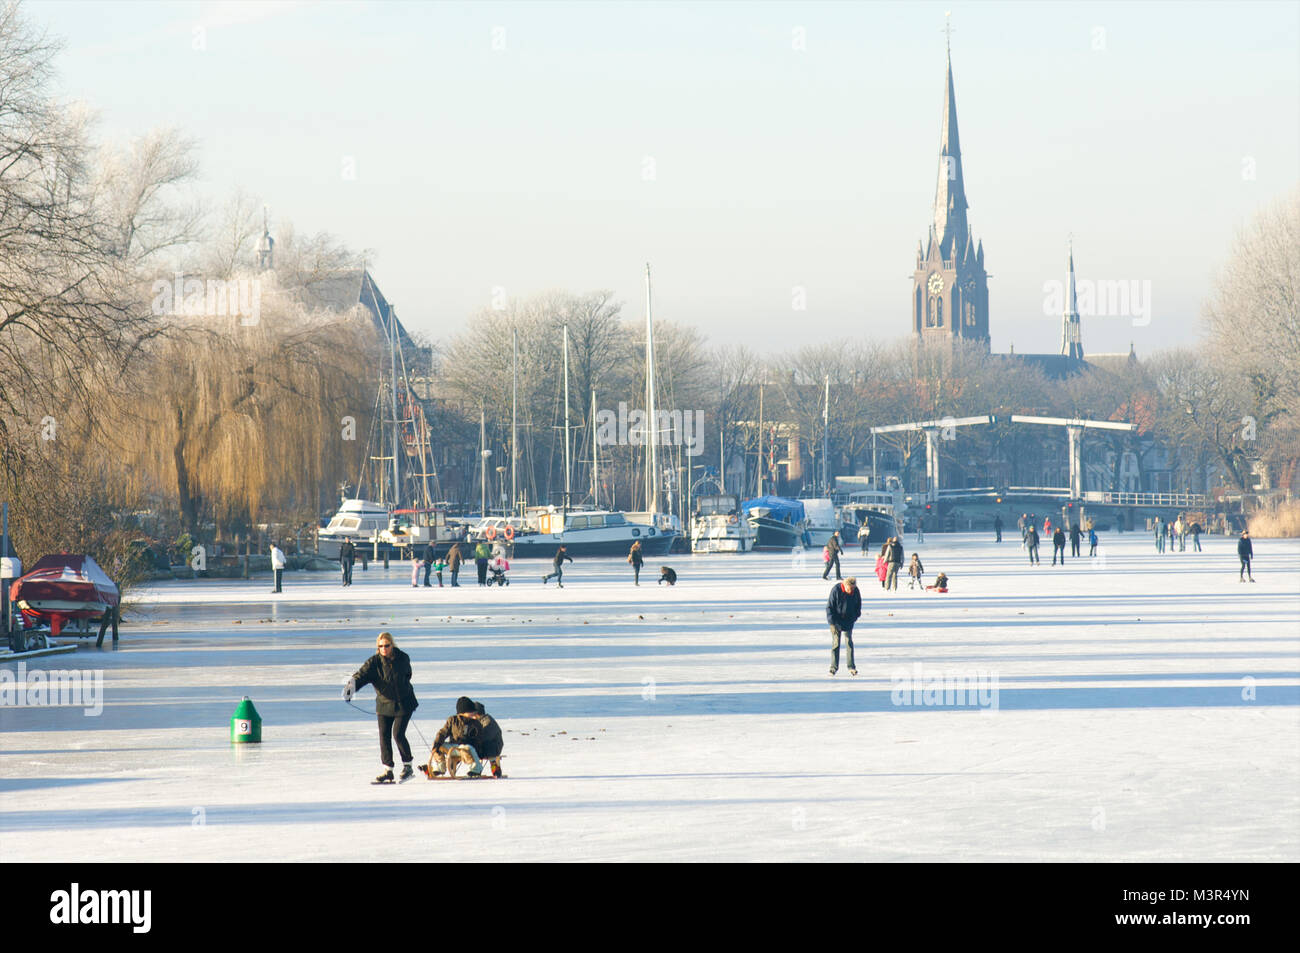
<point x="1135" y="707"/>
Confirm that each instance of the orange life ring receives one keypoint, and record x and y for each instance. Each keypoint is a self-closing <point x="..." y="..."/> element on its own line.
<point x="731" y="519"/>
<point x="510" y="533"/>
<point x="491" y="532"/>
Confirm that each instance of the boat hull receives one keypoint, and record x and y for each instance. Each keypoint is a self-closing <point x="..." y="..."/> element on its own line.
<point x="586" y="543"/>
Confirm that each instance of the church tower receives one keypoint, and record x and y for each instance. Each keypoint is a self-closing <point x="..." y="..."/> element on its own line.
<point x="950" y="294"/>
<point x="1071" y="330"/>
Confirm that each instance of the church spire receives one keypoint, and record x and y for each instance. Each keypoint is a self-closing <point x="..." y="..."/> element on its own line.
<point x="950" y="193"/>
<point x="1071" y="331"/>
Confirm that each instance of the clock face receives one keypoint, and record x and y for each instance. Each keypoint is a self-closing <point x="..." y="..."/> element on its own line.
<point x="935" y="284"/>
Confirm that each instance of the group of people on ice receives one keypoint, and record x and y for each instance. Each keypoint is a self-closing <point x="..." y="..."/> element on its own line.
<point x="1029" y="538"/>
<point x="1169" y="534"/>
<point x="471" y="736"/>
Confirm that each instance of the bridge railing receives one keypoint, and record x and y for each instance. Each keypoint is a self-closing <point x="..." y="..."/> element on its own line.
<point x="1185" y="500"/>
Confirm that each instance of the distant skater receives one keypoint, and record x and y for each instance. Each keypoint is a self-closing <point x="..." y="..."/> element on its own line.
<point x="833" y="556"/>
<point x="1245" y="551"/>
<point x="1031" y="540"/>
<point x="1076" y="535"/>
<point x="1058" y="545"/>
<point x="636" y="559"/>
<point x="277" y="564"/>
<point x="1092" y="541"/>
<point x="558" y="563"/>
<point x="997" y="528"/>
<point x="894" y="562"/>
<point x="668" y="575"/>
<point x="915" y="569"/>
<point x="347" y="559"/>
<point x="864" y="536"/>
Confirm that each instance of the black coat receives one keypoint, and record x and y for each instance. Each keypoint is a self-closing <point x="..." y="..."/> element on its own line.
<point x="392" y="681"/>
<point x="490" y="742"/>
<point x="560" y="557"/>
<point x="428" y="555"/>
<point x="1244" y="548"/>
<point x="843" y="608"/>
<point x="347" y="553"/>
<point x="895" y="553"/>
<point x="634" y="557"/>
<point x="1058" y="539"/>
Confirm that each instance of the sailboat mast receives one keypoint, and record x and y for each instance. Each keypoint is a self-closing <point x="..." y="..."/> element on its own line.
<point x="483" y="456"/>
<point x="514" y="416"/>
<point x="760" y="439"/>
<point x="397" y="436"/>
<point x="826" y="425"/>
<point x="652" y="419"/>
<point x="595" y="455"/>
<point x="566" y="417"/>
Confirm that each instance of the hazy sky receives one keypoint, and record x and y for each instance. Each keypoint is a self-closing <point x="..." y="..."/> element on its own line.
<point x="743" y="149"/>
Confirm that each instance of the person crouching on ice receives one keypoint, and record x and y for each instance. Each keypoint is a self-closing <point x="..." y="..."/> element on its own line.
<point x="666" y="574"/>
<point x="456" y="741"/>
<point x="490" y="741"/>
<point x="389" y="670"/>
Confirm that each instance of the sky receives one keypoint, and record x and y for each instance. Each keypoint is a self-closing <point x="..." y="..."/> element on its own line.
<point x="774" y="163"/>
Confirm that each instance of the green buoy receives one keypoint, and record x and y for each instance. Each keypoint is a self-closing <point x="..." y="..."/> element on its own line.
<point x="246" y="725"/>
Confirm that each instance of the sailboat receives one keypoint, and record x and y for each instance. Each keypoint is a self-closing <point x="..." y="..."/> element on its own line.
<point x="403" y="519"/>
<point x="596" y="531"/>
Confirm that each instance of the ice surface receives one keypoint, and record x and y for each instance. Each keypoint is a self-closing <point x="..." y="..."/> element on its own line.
<point x="1148" y="709"/>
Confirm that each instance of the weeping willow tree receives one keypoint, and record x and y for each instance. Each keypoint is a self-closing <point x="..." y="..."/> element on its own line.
<point x="239" y="423"/>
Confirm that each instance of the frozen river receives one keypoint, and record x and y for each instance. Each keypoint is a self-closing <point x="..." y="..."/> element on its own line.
<point x="1133" y="707"/>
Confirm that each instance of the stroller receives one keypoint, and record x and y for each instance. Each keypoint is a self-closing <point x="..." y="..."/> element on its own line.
<point x="497" y="570"/>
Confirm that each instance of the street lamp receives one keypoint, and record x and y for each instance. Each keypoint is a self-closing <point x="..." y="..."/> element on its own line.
<point x="483" y="480"/>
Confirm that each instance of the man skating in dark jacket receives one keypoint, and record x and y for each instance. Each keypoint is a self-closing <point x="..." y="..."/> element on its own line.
<point x="1245" y="550"/>
<point x="893" y="562"/>
<point x="833" y="548"/>
<point x="558" y="563"/>
<point x="457" y="740"/>
<point x="428" y="564"/>
<point x="1031" y="538"/>
<point x="347" y="558"/>
<point x="389" y="670"/>
<point x="997" y="527"/>
<point x="1076" y="534"/>
<point x="843" y="608"/>
<point x="1058" y="545"/>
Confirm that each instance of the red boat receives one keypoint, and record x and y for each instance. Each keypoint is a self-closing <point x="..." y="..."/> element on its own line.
<point x="63" y="587"/>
